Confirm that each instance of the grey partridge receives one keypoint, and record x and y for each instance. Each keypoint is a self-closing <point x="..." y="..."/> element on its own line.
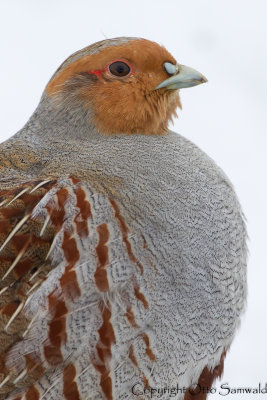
<point x="123" y="245"/>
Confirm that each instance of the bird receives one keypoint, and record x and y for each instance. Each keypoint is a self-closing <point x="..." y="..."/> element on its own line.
<point x="123" y="246"/>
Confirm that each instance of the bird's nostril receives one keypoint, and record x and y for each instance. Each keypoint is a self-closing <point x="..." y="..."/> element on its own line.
<point x="170" y="68"/>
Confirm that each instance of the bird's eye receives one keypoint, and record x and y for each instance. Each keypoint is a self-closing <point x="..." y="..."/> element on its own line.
<point x="119" y="68"/>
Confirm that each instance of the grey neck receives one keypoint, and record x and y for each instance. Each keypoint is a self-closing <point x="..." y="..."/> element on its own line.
<point x="55" y="122"/>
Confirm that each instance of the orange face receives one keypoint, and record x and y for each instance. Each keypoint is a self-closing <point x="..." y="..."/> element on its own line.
<point x="120" y="88"/>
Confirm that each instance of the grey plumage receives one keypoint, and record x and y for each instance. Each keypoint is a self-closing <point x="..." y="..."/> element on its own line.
<point x="186" y="229"/>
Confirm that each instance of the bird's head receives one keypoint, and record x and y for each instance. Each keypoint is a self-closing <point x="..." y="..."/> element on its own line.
<point x="130" y="85"/>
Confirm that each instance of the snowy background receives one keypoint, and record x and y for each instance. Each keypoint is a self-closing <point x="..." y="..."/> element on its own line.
<point x="227" y="118"/>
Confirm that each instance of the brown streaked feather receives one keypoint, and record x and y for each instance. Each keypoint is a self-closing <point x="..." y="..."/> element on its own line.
<point x="22" y="269"/>
<point x="26" y="244"/>
<point x="205" y="381"/>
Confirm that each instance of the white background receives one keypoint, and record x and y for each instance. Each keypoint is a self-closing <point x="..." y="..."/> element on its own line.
<point x="227" y="118"/>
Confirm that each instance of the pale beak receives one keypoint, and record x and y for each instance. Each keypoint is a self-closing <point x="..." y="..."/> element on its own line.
<point x="183" y="77"/>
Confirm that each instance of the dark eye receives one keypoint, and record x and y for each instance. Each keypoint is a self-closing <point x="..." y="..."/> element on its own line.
<point x="119" y="68"/>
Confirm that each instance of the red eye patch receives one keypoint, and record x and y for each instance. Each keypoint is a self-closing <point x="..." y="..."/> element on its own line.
<point x="97" y="72"/>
